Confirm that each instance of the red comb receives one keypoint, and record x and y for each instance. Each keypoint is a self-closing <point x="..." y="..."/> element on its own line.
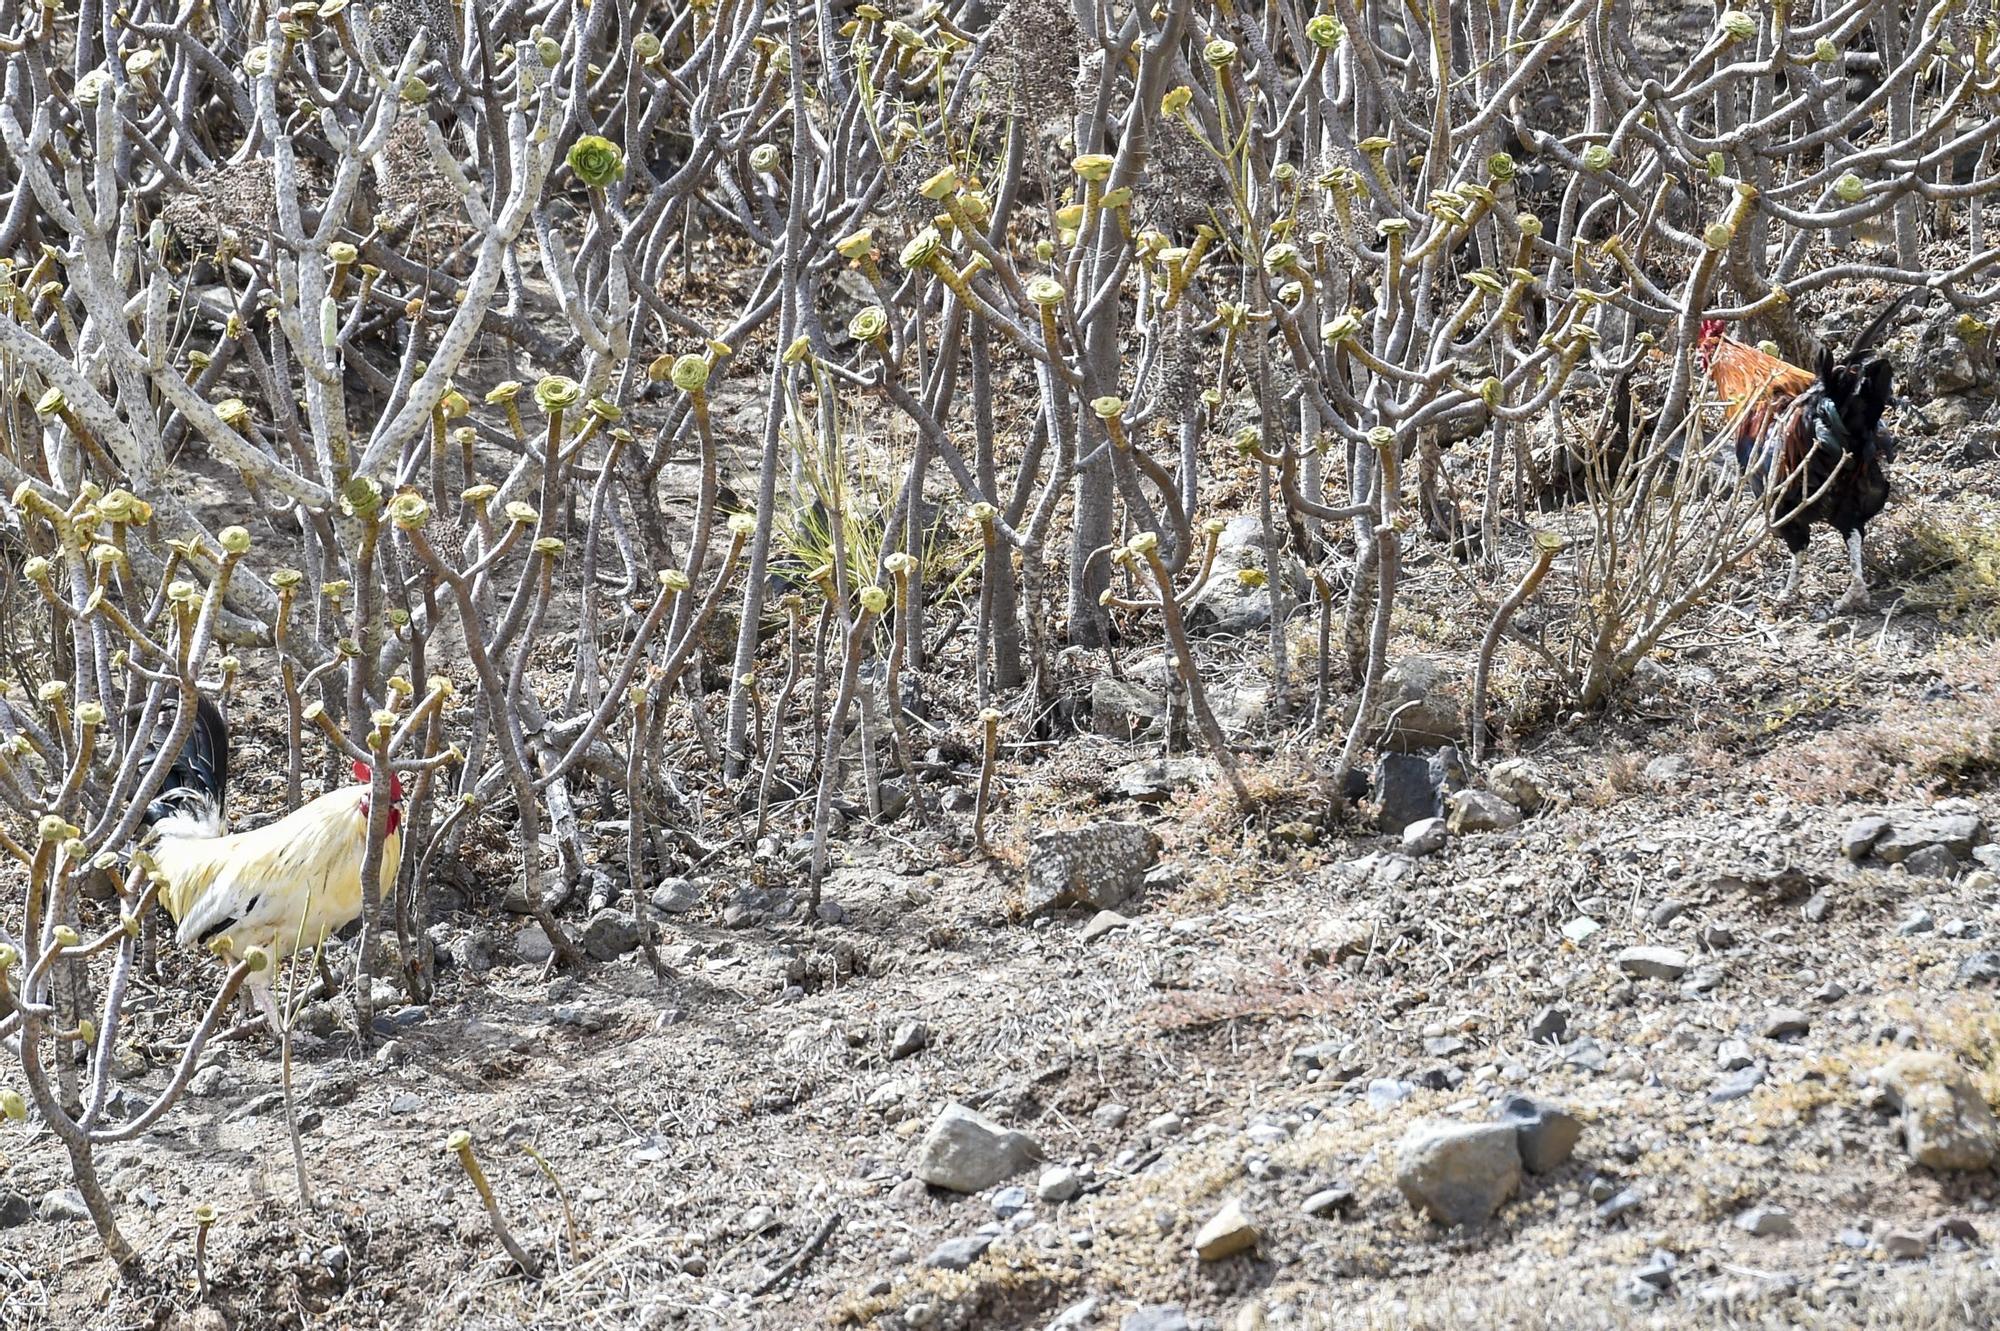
<point x="362" y="772"/>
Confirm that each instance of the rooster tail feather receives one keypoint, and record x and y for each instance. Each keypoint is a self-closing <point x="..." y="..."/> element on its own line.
<point x="190" y="801"/>
<point x="185" y="812"/>
<point x="1880" y="324"/>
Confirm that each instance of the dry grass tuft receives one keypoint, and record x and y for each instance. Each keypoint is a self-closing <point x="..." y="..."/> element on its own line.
<point x="1954" y="558"/>
<point x="1944" y="738"/>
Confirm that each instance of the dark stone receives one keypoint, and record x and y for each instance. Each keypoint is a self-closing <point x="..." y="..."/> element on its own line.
<point x="1546" y="1134"/>
<point x="1737" y="1084"/>
<point x="1407" y="792"/>
<point x="1619" y="1204"/>
<point x="1979" y="968"/>
<point x="957" y="1254"/>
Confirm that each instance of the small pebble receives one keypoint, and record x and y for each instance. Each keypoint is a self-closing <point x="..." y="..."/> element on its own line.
<point x="1767" y="1222"/>
<point x="1904" y="1244"/>
<point x="1785" y="1023"/>
<point x="1058" y="1183"/>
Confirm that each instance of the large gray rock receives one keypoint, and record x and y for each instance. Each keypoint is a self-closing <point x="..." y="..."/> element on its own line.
<point x="1123" y="710"/>
<point x="532" y="945"/>
<point x="1239" y="708"/>
<point x="957" y="1254"/>
<point x="1459" y="1173"/>
<point x="967" y="1152"/>
<point x="1946" y="1122"/>
<point x="676" y="896"/>
<point x="1229" y="604"/>
<point x="1931" y="862"/>
<point x="63" y="1206"/>
<point x="1480" y="811"/>
<point x="1099" y="867"/>
<point x="1957" y="833"/>
<point x="1151" y="780"/>
<point x="1518" y="781"/>
<point x="1419" y="708"/>
<point x="1979" y="968"/>
<point x="610" y="934"/>
<point x="1857" y="840"/>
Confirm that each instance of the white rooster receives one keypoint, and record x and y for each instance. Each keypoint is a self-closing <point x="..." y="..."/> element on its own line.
<point x="284" y="886"/>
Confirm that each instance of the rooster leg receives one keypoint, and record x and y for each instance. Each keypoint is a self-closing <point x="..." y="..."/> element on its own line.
<point x="268" y="1005"/>
<point x="1856" y="597"/>
<point x="1792" y="582"/>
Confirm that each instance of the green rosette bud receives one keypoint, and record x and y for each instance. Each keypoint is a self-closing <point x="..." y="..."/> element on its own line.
<point x="690" y="373"/>
<point x="597" y="161"/>
<point x="940" y="186"/>
<point x="1046" y="292"/>
<point x="409" y="511"/>
<point x="557" y="392"/>
<point x="1093" y="167"/>
<point x="868" y="324"/>
<point x="1346" y="328"/>
<point x="923" y="247"/>
<point x="1738" y="26"/>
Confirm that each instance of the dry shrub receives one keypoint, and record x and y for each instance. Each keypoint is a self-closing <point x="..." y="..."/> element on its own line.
<point x="1942" y="741"/>
<point x="1624" y="774"/>
<point x="1958" y="568"/>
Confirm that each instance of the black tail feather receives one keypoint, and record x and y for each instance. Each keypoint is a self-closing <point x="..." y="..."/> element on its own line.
<point x="1880" y="324"/>
<point x="200" y="773"/>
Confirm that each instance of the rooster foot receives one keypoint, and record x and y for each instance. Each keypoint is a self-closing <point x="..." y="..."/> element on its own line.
<point x="1854" y="600"/>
